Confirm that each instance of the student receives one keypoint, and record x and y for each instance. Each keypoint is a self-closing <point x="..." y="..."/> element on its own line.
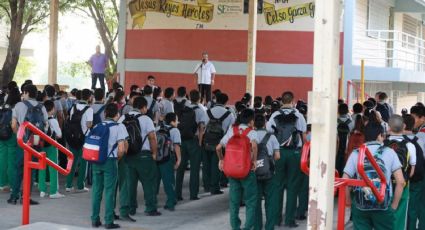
<point x="83" y="106"/>
<point x="180" y="101"/>
<point x="50" y="93"/>
<point x="222" y="117"/>
<point x="381" y="216"/>
<point x="418" y="113"/>
<point x="51" y="153"/>
<point x="142" y="166"/>
<point x="192" y="132"/>
<point x="153" y="107"/>
<point x="166" y="105"/>
<point x="213" y="101"/>
<point x="248" y="185"/>
<point x="396" y="138"/>
<point x="344" y="127"/>
<point x="18" y="117"/>
<point x="150" y="81"/>
<point x="357" y="111"/>
<point x="265" y="187"/>
<point x="105" y="175"/>
<point x="166" y="168"/>
<point x="384" y="108"/>
<point x="119" y="99"/>
<point x="98" y="106"/>
<point x="129" y="106"/>
<point x="288" y="166"/>
<point x="8" y="144"/>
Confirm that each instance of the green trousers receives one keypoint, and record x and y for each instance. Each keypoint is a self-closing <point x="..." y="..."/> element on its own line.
<point x="303" y="196"/>
<point x="82" y="165"/>
<point x="210" y="171"/>
<point x="7" y="161"/>
<point x="166" y="174"/>
<point x="377" y="220"/>
<point x="266" y="190"/>
<point x="416" y="206"/>
<point x="190" y="151"/>
<point x="243" y="190"/>
<point x="122" y="187"/>
<point x="52" y="154"/>
<point x="19" y="173"/>
<point x="104" y="180"/>
<point x="400" y="214"/>
<point x="142" y="167"/>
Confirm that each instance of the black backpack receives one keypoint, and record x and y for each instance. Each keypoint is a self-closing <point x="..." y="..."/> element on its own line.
<point x="285" y="129"/>
<point x="188" y="125"/>
<point x="265" y="163"/>
<point x="343" y="130"/>
<point x="400" y="147"/>
<point x="384" y="111"/>
<point x="214" y="131"/>
<point x="164" y="144"/>
<point x="5" y="122"/>
<point x="73" y="131"/>
<point x="418" y="174"/>
<point x="135" y="141"/>
<point x="179" y="106"/>
<point x="150" y="113"/>
<point x="35" y="116"/>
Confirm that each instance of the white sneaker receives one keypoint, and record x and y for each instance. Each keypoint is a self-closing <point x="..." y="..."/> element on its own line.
<point x="69" y="189"/>
<point x="57" y="196"/>
<point x="82" y="190"/>
<point x="42" y="194"/>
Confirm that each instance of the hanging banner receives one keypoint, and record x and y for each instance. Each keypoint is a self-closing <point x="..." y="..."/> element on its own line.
<point x="202" y="11"/>
<point x="288" y="14"/>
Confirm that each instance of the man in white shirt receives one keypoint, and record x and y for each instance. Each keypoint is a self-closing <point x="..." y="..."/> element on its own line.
<point x="205" y="74"/>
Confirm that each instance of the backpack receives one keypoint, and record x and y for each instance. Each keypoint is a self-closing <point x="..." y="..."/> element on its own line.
<point x="237" y="158"/>
<point x="150" y="113"/>
<point x="97" y="119"/>
<point x="384" y="111"/>
<point x="285" y="129"/>
<point x="400" y="147"/>
<point x="135" y="141"/>
<point x="343" y="130"/>
<point x="95" y="149"/>
<point x="364" y="199"/>
<point x="5" y="123"/>
<point x="73" y="132"/>
<point x="179" y="106"/>
<point x="34" y="116"/>
<point x="418" y="174"/>
<point x="265" y="162"/>
<point x="164" y="144"/>
<point x="214" y="131"/>
<point x="50" y="133"/>
<point x="188" y="125"/>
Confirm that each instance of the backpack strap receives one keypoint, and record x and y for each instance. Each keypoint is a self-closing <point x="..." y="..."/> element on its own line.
<point x="246" y="131"/>
<point x="152" y="105"/>
<point x="266" y="138"/>
<point x="101" y="110"/>
<point x="225" y="115"/>
<point x="109" y="125"/>
<point x="210" y="115"/>
<point x="28" y="104"/>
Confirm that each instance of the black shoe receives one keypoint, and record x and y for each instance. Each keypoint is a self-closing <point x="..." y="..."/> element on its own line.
<point x="12" y="201"/>
<point x="301" y="217"/>
<point x="207" y="190"/>
<point x="116" y="217"/>
<point x="219" y="192"/>
<point x="112" y="226"/>
<point x="153" y="213"/>
<point x="292" y="225"/>
<point x="127" y="218"/>
<point x="32" y="202"/>
<point x="132" y="213"/>
<point x="96" y="224"/>
<point x="179" y="198"/>
<point x="169" y="208"/>
<point x="194" y="198"/>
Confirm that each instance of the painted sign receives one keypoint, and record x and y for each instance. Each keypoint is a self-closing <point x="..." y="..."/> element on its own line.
<point x="219" y="14"/>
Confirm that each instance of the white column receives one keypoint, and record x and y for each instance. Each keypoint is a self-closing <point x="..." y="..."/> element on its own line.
<point x="121" y="41"/>
<point x="252" y="45"/>
<point x="323" y="104"/>
<point x="53" y="42"/>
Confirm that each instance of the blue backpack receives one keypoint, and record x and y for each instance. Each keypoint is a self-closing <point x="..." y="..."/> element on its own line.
<point x="34" y="116"/>
<point x="97" y="116"/>
<point x="95" y="149"/>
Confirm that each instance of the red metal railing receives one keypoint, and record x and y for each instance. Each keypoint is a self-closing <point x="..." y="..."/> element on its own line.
<point x="356" y="90"/>
<point x="41" y="164"/>
<point x="341" y="184"/>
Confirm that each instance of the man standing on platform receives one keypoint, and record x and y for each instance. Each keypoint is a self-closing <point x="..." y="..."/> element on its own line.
<point x="205" y="74"/>
<point x="98" y="63"/>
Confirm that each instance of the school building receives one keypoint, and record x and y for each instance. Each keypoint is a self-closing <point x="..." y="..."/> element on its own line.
<point x="166" y="39"/>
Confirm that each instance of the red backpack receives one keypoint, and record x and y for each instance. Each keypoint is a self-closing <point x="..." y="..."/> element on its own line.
<point x="237" y="160"/>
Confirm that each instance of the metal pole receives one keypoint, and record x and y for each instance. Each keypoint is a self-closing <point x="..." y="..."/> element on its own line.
<point x="26" y="189"/>
<point x="322" y="115"/>
<point x="122" y="29"/>
<point x="362" y="96"/>
<point x="341" y="83"/>
<point x="252" y="44"/>
<point x="53" y="41"/>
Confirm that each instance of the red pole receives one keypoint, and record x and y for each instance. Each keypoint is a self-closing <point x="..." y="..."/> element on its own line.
<point x="341" y="207"/>
<point x="26" y="189"/>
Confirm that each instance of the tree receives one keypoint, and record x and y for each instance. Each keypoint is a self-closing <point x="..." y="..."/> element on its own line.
<point x="23" y="16"/>
<point x="24" y="70"/>
<point x="105" y="14"/>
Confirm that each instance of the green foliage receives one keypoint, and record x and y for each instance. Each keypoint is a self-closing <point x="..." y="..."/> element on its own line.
<point x="74" y="69"/>
<point x="24" y="70"/>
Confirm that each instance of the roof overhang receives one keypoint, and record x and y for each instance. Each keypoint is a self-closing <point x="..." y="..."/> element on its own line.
<point x="410" y="6"/>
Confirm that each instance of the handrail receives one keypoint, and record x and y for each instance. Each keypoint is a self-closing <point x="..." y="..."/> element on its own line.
<point x="41" y="164"/>
<point x="305" y="153"/>
<point x="353" y="85"/>
<point x="379" y="194"/>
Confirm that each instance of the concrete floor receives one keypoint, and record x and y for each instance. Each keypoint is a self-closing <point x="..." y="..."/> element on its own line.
<point x="73" y="212"/>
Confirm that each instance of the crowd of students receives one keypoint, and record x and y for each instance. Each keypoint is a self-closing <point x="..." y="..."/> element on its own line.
<point x="152" y="135"/>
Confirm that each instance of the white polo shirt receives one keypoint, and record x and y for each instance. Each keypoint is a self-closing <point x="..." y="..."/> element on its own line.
<point x="205" y="72"/>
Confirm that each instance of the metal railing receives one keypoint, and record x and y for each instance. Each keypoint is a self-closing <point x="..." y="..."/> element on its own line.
<point x="389" y="48"/>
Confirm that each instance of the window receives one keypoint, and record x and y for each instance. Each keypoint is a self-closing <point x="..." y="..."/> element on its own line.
<point x="378" y="18"/>
<point x="246" y="6"/>
<point x="410" y="27"/>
